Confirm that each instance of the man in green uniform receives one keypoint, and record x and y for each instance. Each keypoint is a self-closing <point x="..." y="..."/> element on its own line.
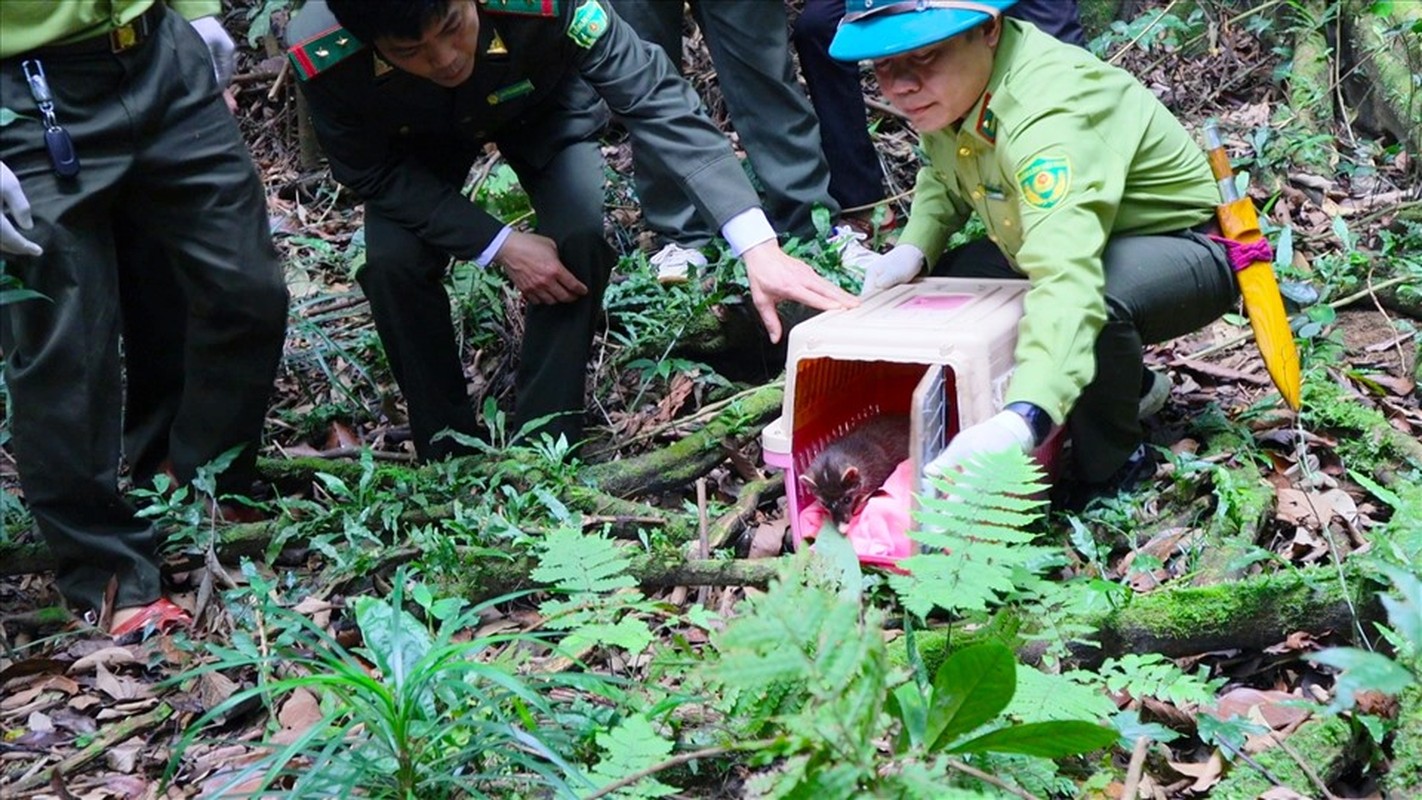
<point x="1088" y="187"/>
<point x="404" y="97"/>
<point x="123" y="145"/>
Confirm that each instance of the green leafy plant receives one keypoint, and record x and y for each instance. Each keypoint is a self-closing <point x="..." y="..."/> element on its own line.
<point x="598" y="602"/>
<point x="417" y="711"/>
<point x="805" y="661"/>
<point x="977" y="550"/>
<point x="1367" y="670"/>
<point x="1153" y="675"/>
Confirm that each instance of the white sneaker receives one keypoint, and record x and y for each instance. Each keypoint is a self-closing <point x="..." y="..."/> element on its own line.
<point x="1154" y="398"/>
<point x="853" y="255"/>
<point x="674" y="263"/>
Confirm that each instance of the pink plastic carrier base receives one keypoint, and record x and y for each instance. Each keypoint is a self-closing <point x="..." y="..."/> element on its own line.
<point x="939" y="350"/>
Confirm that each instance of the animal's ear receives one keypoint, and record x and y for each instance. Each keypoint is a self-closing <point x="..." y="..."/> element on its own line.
<point x="850" y="476"/>
<point x="808" y="482"/>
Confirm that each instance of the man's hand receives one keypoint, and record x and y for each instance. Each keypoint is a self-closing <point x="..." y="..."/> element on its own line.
<point x="13" y="203"/>
<point x="1008" y="430"/>
<point x="220" y="45"/>
<point x="775" y="276"/>
<point x="531" y="262"/>
<point x="900" y="265"/>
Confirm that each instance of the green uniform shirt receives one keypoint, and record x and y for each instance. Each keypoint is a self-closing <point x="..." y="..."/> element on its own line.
<point x="1062" y="152"/>
<point x="29" y="24"/>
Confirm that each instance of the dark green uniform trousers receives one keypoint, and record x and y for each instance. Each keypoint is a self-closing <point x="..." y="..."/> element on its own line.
<point x="161" y="160"/>
<point x="1157" y="288"/>
<point x="404" y="280"/>
<point x="750" y="47"/>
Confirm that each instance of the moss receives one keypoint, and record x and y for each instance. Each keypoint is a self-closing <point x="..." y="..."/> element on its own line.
<point x="936" y="644"/>
<point x="1404" y="777"/>
<point x="1325" y="743"/>
<point x="1258" y="610"/>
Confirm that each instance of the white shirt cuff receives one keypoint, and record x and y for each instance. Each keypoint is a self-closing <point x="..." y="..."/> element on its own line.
<point x="487" y="257"/>
<point x="746" y="230"/>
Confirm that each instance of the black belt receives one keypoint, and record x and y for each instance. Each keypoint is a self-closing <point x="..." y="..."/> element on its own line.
<point x="125" y="37"/>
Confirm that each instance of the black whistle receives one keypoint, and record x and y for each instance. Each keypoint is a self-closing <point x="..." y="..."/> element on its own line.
<point x="62" y="155"/>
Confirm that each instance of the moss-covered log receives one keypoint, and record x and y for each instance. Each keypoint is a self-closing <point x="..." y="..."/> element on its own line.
<point x="1248" y="614"/>
<point x="1252" y="613"/>
<point x="1404" y="775"/>
<point x="1326" y="744"/>
<point x="680" y="464"/>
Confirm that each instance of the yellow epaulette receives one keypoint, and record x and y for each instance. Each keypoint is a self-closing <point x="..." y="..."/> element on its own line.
<point x="321" y="52"/>
<point x="529" y="8"/>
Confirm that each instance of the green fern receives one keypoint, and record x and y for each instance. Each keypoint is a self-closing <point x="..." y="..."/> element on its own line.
<point x="972" y="529"/>
<point x="632" y="746"/>
<point x="1153" y="675"/>
<point x="574" y="562"/>
<point x="600" y="604"/>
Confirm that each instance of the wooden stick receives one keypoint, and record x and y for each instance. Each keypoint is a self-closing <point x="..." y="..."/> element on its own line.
<point x="116" y="734"/>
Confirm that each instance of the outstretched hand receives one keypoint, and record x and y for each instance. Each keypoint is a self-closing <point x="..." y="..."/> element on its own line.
<point x="775" y="276"/>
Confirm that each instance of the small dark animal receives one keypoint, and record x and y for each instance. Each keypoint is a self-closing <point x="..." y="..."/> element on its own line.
<point x="851" y="469"/>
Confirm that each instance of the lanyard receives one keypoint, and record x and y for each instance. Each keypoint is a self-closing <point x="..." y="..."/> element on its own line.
<point x="56" y="139"/>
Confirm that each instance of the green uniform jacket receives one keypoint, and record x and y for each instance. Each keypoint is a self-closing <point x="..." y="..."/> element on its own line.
<point x="535" y="89"/>
<point x="1062" y="152"/>
<point x="28" y="24"/>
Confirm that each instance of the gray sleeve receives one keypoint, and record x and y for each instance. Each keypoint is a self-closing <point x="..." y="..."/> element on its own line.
<point x="667" y="123"/>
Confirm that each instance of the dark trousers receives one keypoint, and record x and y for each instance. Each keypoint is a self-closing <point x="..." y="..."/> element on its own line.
<point x="750" y="49"/>
<point x="856" y="177"/>
<point x="162" y="160"/>
<point x="1057" y="17"/>
<point x="1157" y="288"/>
<point x="404" y="281"/>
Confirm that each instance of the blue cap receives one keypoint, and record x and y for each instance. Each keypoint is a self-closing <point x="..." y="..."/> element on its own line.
<point x="881" y="28"/>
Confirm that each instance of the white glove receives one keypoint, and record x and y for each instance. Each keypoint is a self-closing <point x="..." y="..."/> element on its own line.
<point x="220" y="45"/>
<point x="13" y="203"/>
<point x="1005" y="431"/>
<point x="900" y="265"/>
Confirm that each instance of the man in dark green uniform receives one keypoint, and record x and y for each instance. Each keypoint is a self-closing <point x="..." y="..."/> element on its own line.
<point x="1089" y="189"/>
<point x="404" y="96"/>
<point x="122" y="138"/>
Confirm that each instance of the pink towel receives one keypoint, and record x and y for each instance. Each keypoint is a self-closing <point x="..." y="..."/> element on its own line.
<point x="879" y="532"/>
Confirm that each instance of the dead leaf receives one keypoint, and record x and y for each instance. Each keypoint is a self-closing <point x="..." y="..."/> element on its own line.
<point x="119" y="687"/>
<point x="123" y="758"/>
<point x="213" y="688"/>
<point x="40" y="723"/>
<point x="1206" y="773"/>
<point x="1266" y="705"/>
<point x="109" y="657"/>
<point x="768" y="539"/>
<point x="298" y="714"/>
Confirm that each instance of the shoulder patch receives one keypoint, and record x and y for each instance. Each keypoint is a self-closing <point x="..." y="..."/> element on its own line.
<point x="589" y="23"/>
<point x="319" y="53"/>
<point x="1045" y="181"/>
<point x="528" y="8"/>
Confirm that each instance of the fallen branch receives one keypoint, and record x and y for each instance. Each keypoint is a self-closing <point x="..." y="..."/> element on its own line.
<point x="109" y="737"/>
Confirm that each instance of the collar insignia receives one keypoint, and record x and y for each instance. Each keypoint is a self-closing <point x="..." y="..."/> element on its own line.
<point x="987" y="122"/>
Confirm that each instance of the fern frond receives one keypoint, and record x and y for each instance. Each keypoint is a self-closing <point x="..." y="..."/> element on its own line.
<point x="631" y="747"/>
<point x="1153" y="675"/>
<point x="975" y="520"/>
<point x="575" y="562"/>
